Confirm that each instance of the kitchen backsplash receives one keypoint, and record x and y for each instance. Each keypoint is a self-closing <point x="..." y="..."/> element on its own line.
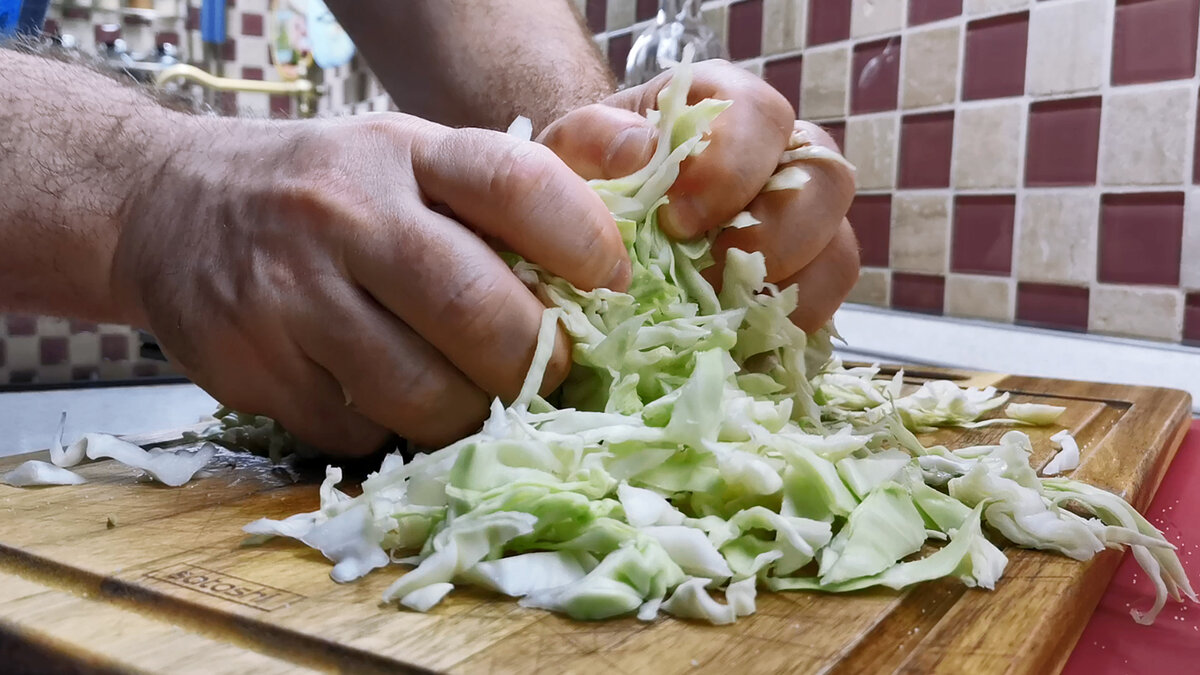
<point x="1018" y="161"/>
<point x="1022" y="161"/>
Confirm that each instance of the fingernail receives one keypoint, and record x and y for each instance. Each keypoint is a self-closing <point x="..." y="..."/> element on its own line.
<point x="679" y="217"/>
<point x="621" y="274"/>
<point x="629" y="150"/>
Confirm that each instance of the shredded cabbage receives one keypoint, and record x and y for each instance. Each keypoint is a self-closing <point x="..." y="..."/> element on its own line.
<point x="703" y="445"/>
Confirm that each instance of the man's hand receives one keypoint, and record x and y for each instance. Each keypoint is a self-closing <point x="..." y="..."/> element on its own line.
<point x="333" y="274"/>
<point x="804" y="234"/>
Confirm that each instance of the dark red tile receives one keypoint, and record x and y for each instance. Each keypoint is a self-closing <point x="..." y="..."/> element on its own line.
<point x="876" y="76"/>
<point x="871" y="218"/>
<point x="85" y="373"/>
<point x="252" y="73"/>
<point x="828" y="21"/>
<point x="596" y="12"/>
<point x="193" y="18"/>
<point x="78" y="327"/>
<point x="114" y="347"/>
<point x="918" y="292"/>
<point x="925" y="11"/>
<point x="21" y="324"/>
<point x="926" y="144"/>
<point x="1141" y="238"/>
<point x="52" y="351"/>
<point x="106" y="33"/>
<point x="50" y="27"/>
<point x="745" y="29"/>
<point x="1063" y="142"/>
<point x="229" y="50"/>
<point x="145" y="369"/>
<point x="25" y="376"/>
<point x="86" y="13"/>
<point x="136" y="20"/>
<point x="646" y="9"/>
<point x="982" y="240"/>
<point x="252" y="24"/>
<point x="838" y="131"/>
<point x="227" y="103"/>
<point x="166" y="37"/>
<point x="995" y="57"/>
<point x="1191" y="319"/>
<point x="618" y="52"/>
<point x="784" y="75"/>
<point x="280" y="106"/>
<point x="1154" y="40"/>
<point x="1052" y="306"/>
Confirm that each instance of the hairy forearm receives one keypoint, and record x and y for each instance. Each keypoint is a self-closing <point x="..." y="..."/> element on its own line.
<point x="74" y="146"/>
<point x="478" y="62"/>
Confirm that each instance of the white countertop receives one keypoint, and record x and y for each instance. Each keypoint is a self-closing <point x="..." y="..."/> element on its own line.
<point x="28" y="419"/>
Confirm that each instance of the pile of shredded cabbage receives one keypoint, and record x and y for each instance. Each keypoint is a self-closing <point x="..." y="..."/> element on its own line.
<point x="704" y="448"/>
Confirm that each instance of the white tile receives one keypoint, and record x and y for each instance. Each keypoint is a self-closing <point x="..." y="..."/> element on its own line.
<point x="784" y="24"/>
<point x="1068" y="42"/>
<point x="875" y="17"/>
<point x="1189" y="273"/>
<point x="979" y="297"/>
<point x="872" y="287"/>
<point x="1146" y="135"/>
<point x="1136" y="311"/>
<point x="987" y="143"/>
<point x="972" y="7"/>
<point x="931" y="71"/>
<point x="920" y="232"/>
<point x="871" y="148"/>
<point x="823" y="82"/>
<point x="1057" y="237"/>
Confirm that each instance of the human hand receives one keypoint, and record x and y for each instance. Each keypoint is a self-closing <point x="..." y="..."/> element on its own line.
<point x="803" y="234"/>
<point x="333" y="275"/>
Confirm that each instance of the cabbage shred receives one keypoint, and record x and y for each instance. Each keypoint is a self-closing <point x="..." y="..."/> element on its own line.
<point x="703" y="443"/>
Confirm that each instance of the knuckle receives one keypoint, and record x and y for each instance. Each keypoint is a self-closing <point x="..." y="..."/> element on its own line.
<point x="522" y="171"/>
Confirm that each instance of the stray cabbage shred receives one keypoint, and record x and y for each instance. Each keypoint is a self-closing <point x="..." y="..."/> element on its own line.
<point x="703" y="443"/>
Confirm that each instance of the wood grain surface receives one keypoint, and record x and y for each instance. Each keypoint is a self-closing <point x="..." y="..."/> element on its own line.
<point x="170" y="588"/>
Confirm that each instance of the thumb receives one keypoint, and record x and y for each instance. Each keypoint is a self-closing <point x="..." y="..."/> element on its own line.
<point x="598" y="141"/>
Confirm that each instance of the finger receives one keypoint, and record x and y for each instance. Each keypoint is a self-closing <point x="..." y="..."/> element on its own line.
<point x="826" y="281"/>
<point x="294" y="391"/>
<point x="390" y="374"/>
<point x="795" y="225"/>
<point x="521" y="193"/>
<point x="746" y="142"/>
<point x="459" y="296"/>
<point x="600" y="141"/>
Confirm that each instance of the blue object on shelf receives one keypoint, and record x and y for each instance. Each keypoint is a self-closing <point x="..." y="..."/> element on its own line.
<point x="331" y="46"/>
<point x="25" y="17"/>
<point x="212" y="21"/>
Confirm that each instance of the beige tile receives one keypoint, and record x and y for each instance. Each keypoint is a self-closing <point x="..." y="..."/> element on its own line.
<point x="23" y="352"/>
<point x="1067" y="45"/>
<point x="621" y="14"/>
<point x="784" y="25"/>
<point x="872" y="17"/>
<point x="580" y="6"/>
<point x="930" y="67"/>
<point x="1146" y="135"/>
<point x="52" y="325"/>
<point x="1057" y="237"/>
<point x="920" y="232"/>
<point x="1136" y="311"/>
<point x="994" y="6"/>
<point x="987" y="144"/>
<point x="717" y="19"/>
<point x="84" y="349"/>
<point x="1189" y="273"/>
<point x="872" y="287"/>
<point x="979" y="297"/>
<point x="871" y="147"/>
<point x="823" y="82"/>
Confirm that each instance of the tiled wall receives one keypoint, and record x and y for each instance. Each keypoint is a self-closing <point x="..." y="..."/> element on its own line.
<point x="1019" y="160"/>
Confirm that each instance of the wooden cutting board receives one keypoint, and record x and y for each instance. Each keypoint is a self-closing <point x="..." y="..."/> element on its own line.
<point x="165" y="586"/>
